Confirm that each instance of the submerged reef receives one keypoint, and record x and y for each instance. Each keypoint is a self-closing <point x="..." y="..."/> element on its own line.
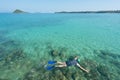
<point x="60" y="52"/>
<point x="56" y="52"/>
<point x="109" y="57"/>
<point x="14" y="59"/>
<point x="10" y="51"/>
<point x="11" y="57"/>
<point x="97" y="72"/>
<point x="6" y="48"/>
<point x="111" y="60"/>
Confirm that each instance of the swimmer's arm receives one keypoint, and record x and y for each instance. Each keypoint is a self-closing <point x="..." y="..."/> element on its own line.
<point x="82" y="68"/>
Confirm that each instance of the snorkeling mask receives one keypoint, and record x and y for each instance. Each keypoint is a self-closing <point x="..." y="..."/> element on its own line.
<point x="78" y="60"/>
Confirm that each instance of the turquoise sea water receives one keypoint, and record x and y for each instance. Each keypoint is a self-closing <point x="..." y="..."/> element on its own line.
<point x="28" y="41"/>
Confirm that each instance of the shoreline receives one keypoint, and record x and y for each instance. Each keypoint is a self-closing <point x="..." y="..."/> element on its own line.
<point x="110" y="11"/>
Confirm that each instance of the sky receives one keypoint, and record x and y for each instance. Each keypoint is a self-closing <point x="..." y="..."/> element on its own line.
<point x="58" y="5"/>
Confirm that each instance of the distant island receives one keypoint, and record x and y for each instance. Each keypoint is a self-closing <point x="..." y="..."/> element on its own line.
<point x="19" y="11"/>
<point x="110" y="11"/>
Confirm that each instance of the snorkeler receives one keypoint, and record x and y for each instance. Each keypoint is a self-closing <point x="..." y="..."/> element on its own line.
<point x="73" y="62"/>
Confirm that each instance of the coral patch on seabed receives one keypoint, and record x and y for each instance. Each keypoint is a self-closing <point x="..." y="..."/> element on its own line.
<point x="15" y="58"/>
<point x="97" y="72"/>
<point x="11" y="56"/>
<point x="112" y="64"/>
<point x="60" y="52"/>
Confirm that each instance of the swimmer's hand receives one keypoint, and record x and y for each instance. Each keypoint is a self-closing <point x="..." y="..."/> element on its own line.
<point x="87" y="71"/>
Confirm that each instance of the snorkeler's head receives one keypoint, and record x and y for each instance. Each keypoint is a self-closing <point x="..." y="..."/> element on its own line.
<point x="77" y="58"/>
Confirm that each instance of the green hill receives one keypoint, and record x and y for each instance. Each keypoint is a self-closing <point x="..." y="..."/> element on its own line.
<point x="19" y="11"/>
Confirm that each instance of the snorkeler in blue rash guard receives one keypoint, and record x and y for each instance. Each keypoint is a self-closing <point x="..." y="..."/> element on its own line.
<point x="73" y="62"/>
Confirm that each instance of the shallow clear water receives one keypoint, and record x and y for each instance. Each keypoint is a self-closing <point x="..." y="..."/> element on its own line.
<point x="26" y="42"/>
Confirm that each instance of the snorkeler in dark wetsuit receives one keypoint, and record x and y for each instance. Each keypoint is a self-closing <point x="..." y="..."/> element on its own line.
<point x="73" y="62"/>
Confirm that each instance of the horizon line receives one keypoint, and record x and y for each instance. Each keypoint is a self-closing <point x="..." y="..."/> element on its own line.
<point x="60" y="11"/>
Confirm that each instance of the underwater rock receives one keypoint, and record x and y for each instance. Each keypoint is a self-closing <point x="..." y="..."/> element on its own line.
<point x="10" y="52"/>
<point x="93" y="75"/>
<point x="60" y="52"/>
<point x="54" y="53"/>
<point x="110" y="54"/>
<point x="58" y="74"/>
<point x="7" y="47"/>
<point x="101" y="55"/>
<point x="13" y="57"/>
<point x="97" y="71"/>
<point x="16" y="55"/>
<point x="110" y="59"/>
<point x="48" y="46"/>
<point x="104" y="72"/>
<point x="36" y="73"/>
<point x="77" y="76"/>
<point x="31" y="75"/>
<point x="116" y="63"/>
